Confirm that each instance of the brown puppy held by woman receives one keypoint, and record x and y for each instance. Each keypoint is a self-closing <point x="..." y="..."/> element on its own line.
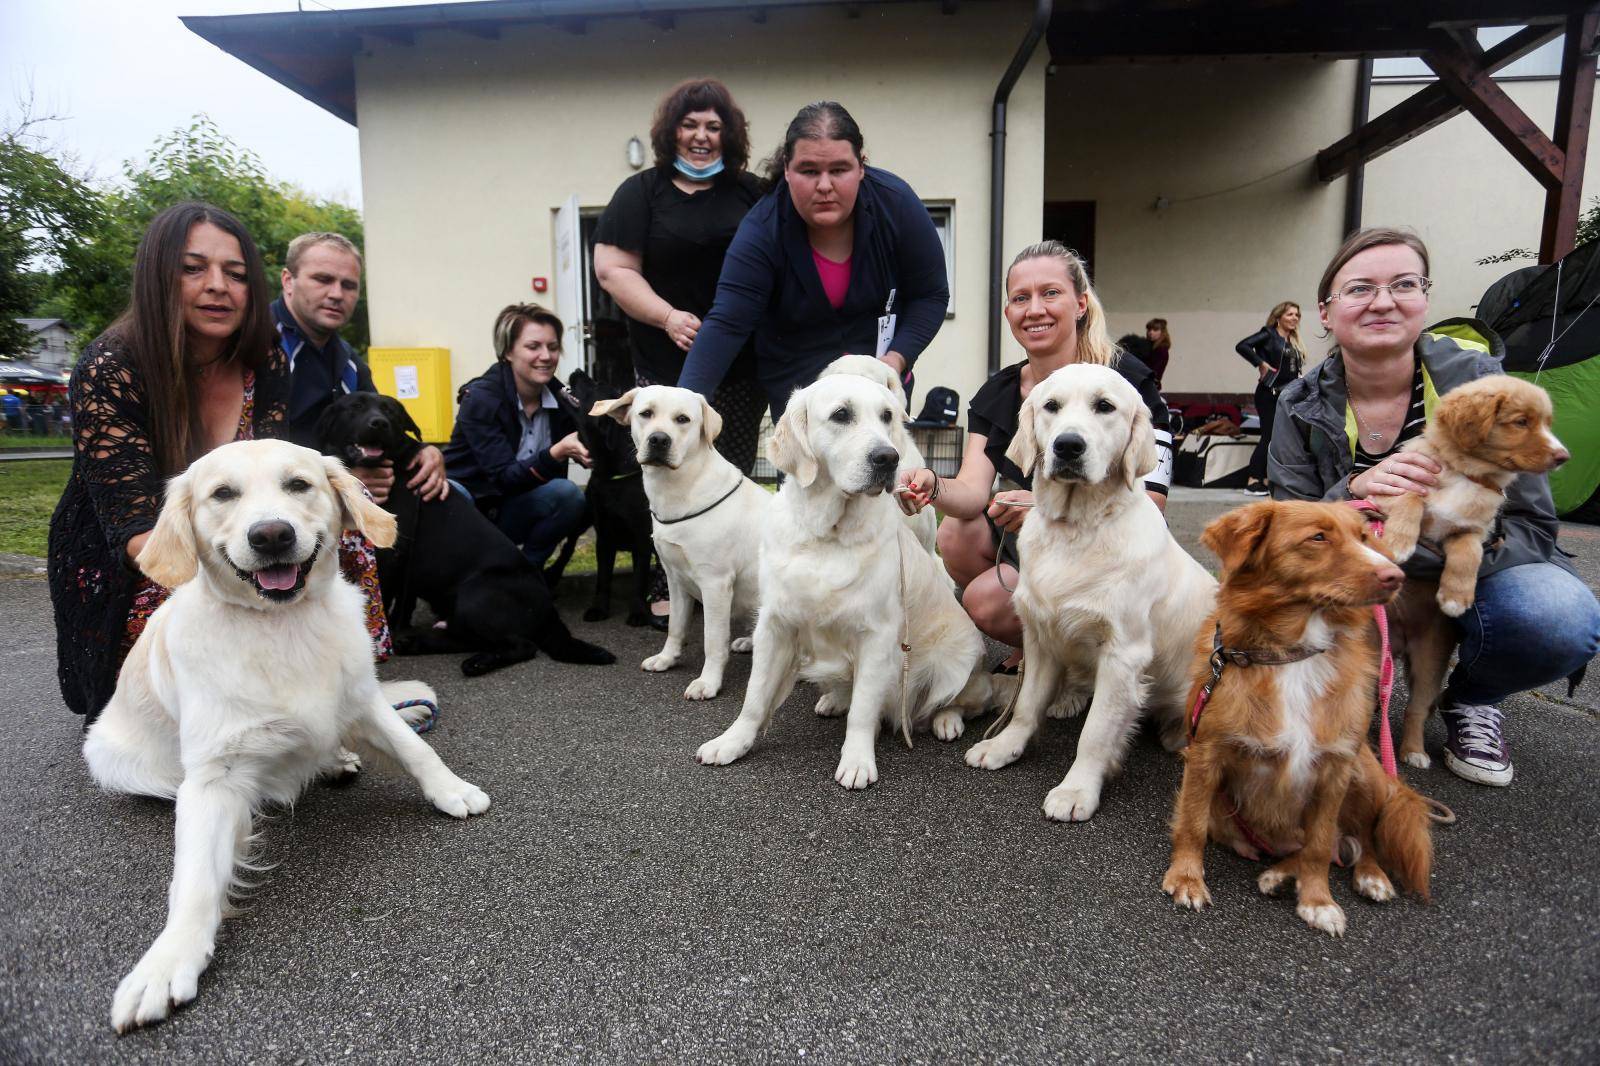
<point x="1278" y="765"/>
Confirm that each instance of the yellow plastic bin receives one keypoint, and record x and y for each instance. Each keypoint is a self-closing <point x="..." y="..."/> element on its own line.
<point x="420" y="379"/>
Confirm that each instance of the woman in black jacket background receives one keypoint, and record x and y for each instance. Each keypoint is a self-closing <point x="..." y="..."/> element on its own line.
<point x="1278" y="356"/>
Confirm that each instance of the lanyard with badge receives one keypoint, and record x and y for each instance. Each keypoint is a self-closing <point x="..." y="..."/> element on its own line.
<point x="886" y="323"/>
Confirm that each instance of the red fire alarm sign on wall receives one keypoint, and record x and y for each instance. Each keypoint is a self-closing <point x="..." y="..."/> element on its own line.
<point x="540" y="284"/>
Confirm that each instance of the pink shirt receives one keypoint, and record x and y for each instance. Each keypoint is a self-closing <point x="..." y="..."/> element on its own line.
<point x="835" y="278"/>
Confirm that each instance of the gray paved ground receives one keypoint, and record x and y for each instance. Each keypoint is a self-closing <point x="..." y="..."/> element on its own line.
<point x="621" y="903"/>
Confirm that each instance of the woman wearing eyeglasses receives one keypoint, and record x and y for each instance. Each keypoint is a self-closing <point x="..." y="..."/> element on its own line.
<point x="1344" y="431"/>
<point x="1278" y="356"/>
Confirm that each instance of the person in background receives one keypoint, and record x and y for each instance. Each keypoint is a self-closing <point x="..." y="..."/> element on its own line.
<point x="1343" y="433"/>
<point x="660" y="244"/>
<point x="838" y="258"/>
<point x="1155" y="331"/>
<point x="1278" y="356"/>
<point x="192" y="364"/>
<point x="1058" y="320"/>
<point x="512" y="438"/>
<point x="321" y="284"/>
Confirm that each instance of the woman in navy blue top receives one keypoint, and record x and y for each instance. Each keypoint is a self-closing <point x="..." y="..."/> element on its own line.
<point x="837" y="258"/>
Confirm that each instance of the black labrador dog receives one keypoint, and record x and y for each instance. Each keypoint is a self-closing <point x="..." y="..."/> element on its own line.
<point x="616" y="499"/>
<point x="494" y="603"/>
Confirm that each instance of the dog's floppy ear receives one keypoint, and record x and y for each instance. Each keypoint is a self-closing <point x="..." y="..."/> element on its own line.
<point x="359" y="512"/>
<point x="1236" y="537"/>
<point x="407" y="423"/>
<point x="1139" y="457"/>
<point x="168" y="558"/>
<point x="898" y="432"/>
<point x="710" y="421"/>
<point x="790" y="449"/>
<point x="617" y="409"/>
<point x="1024" y="450"/>
<point x="1468" y="417"/>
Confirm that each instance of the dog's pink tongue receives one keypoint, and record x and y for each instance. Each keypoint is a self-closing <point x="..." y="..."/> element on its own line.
<point x="278" y="578"/>
<point x="369" y="452"/>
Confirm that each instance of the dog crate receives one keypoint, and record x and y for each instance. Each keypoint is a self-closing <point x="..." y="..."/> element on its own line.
<point x="941" y="446"/>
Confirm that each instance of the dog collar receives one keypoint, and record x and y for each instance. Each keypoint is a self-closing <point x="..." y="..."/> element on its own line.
<point x="703" y="510"/>
<point x="1222" y="655"/>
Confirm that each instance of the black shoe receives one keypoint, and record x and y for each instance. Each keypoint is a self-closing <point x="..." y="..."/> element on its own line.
<point x="660" y="622"/>
<point x="1256" y="488"/>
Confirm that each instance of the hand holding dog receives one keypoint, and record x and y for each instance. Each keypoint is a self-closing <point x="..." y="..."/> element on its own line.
<point x="915" y="492"/>
<point x="429" y="481"/>
<point x="1009" y="509"/>
<point x="570" y="447"/>
<point x="377" y="480"/>
<point x="1397" y="475"/>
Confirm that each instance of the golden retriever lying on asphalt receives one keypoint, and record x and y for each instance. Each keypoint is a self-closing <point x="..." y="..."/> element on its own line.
<point x="247" y="683"/>
<point x="844" y="581"/>
<point x="1109" y="602"/>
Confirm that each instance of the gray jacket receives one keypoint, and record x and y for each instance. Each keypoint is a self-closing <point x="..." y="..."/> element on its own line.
<point x="1309" y="455"/>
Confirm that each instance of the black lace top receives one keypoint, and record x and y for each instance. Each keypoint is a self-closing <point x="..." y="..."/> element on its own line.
<point x="113" y="495"/>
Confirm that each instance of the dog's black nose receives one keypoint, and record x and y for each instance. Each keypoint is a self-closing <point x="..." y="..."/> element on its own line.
<point x="883" y="457"/>
<point x="271" y="537"/>
<point x="1069" y="446"/>
<point x="658" y="441"/>
<point x="379" y="423"/>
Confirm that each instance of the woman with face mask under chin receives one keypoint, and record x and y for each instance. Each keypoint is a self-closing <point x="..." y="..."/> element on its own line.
<point x="838" y="258"/>
<point x="660" y="244"/>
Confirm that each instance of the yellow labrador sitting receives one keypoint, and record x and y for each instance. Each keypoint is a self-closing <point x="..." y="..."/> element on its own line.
<point x="1109" y="602"/>
<point x="705" y="519"/>
<point x="247" y="683"/>
<point x="844" y="581"/>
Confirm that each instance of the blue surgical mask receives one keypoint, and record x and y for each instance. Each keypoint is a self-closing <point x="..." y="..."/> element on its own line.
<point x="694" y="173"/>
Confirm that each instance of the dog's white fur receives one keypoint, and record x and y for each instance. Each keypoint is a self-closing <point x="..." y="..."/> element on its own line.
<point x="925" y="524"/>
<point x="229" y="702"/>
<point x="1109" y="602"/>
<point x="711" y="557"/>
<point x="840" y="573"/>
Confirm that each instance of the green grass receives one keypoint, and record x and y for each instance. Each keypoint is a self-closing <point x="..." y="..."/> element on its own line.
<point x="29" y="440"/>
<point x="29" y="489"/>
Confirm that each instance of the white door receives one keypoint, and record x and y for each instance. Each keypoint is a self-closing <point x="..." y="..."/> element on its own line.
<point x="569" y="288"/>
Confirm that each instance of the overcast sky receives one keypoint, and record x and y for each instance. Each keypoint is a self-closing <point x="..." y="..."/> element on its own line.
<point x="124" y="72"/>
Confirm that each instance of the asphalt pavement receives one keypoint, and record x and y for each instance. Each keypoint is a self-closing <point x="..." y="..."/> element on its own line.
<point x="621" y="903"/>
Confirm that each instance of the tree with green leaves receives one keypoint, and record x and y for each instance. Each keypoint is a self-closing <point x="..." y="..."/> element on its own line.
<point x="44" y="211"/>
<point x="197" y="162"/>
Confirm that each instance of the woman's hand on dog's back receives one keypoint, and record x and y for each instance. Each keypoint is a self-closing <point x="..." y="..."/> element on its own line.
<point x="1397" y="475"/>
<point x="570" y="447"/>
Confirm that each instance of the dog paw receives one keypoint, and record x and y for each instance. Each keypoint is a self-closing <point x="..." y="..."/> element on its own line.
<point x="741" y="645"/>
<point x="657" y="663"/>
<point x="345" y="764"/>
<point x="949" y="724"/>
<point x="168" y="976"/>
<point x="1068" y="706"/>
<point x="1271" y="882"/>
<point x="1186" y="890"/>
<point x="701" y="689"/>
<point x="857" y="771"/>
<point x="1375" y="886"/>
<point x="1453" y="607"/>
<point x="1419" y="759"/>
<point x="459" y="799"/>
<point x="831" y="705"/>
<point x="596" y="614"/>
<point x="994" y="753"/>
<point x="1070" y="804"/>
<point x="1328" y="917"/>
<point x="723" y="750"/>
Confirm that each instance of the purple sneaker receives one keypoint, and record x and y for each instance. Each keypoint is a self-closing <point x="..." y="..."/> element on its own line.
<point x="1473" y="748"/>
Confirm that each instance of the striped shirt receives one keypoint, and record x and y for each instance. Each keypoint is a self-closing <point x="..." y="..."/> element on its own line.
<point x="1416" y="422"/>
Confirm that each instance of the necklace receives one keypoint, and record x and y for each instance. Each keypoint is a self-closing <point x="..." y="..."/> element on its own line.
<point x="1372" y="434"/>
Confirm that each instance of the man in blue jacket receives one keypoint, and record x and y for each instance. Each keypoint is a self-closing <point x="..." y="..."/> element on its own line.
<point x="513" y="438"/>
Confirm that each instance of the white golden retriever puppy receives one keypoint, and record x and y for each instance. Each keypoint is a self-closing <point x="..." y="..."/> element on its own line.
<point x="1109" y="602"/>
<point x="706" y="522"/>
<point x="924" y="523"/>
<point x="845" y="584"/>
<point x="248" y="682"/>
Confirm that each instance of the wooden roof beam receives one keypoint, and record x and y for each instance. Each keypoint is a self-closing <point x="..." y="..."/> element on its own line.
<point x="1423" y="110"/>
<point x="1477" y="92"/>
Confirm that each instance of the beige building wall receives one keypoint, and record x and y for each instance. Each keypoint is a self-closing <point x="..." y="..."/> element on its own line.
<point x="1243" y="224"/>
<point x="468" y="146"/>
<point x="1464" y="194"/>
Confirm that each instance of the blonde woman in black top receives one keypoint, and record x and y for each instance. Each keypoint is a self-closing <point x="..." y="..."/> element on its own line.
<point x="1278" y="356"/>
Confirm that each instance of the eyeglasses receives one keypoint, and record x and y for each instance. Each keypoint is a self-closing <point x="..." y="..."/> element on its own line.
<point x="1408" y="289"/>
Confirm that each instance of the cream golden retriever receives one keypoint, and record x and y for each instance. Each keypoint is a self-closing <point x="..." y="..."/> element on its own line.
<point x="706" y="522"/>
<point x="253" y="678"/>
<point x="1109" y="602"/>
<point x="925" y="524"/>
<point x="845" y="583"/>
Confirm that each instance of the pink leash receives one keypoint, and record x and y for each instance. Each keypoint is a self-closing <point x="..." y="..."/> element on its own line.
<point x="1386" y="667"/>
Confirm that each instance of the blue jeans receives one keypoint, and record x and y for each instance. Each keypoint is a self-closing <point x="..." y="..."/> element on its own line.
<point x="542" y="517"/>
<point x="1530" y="625"/>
